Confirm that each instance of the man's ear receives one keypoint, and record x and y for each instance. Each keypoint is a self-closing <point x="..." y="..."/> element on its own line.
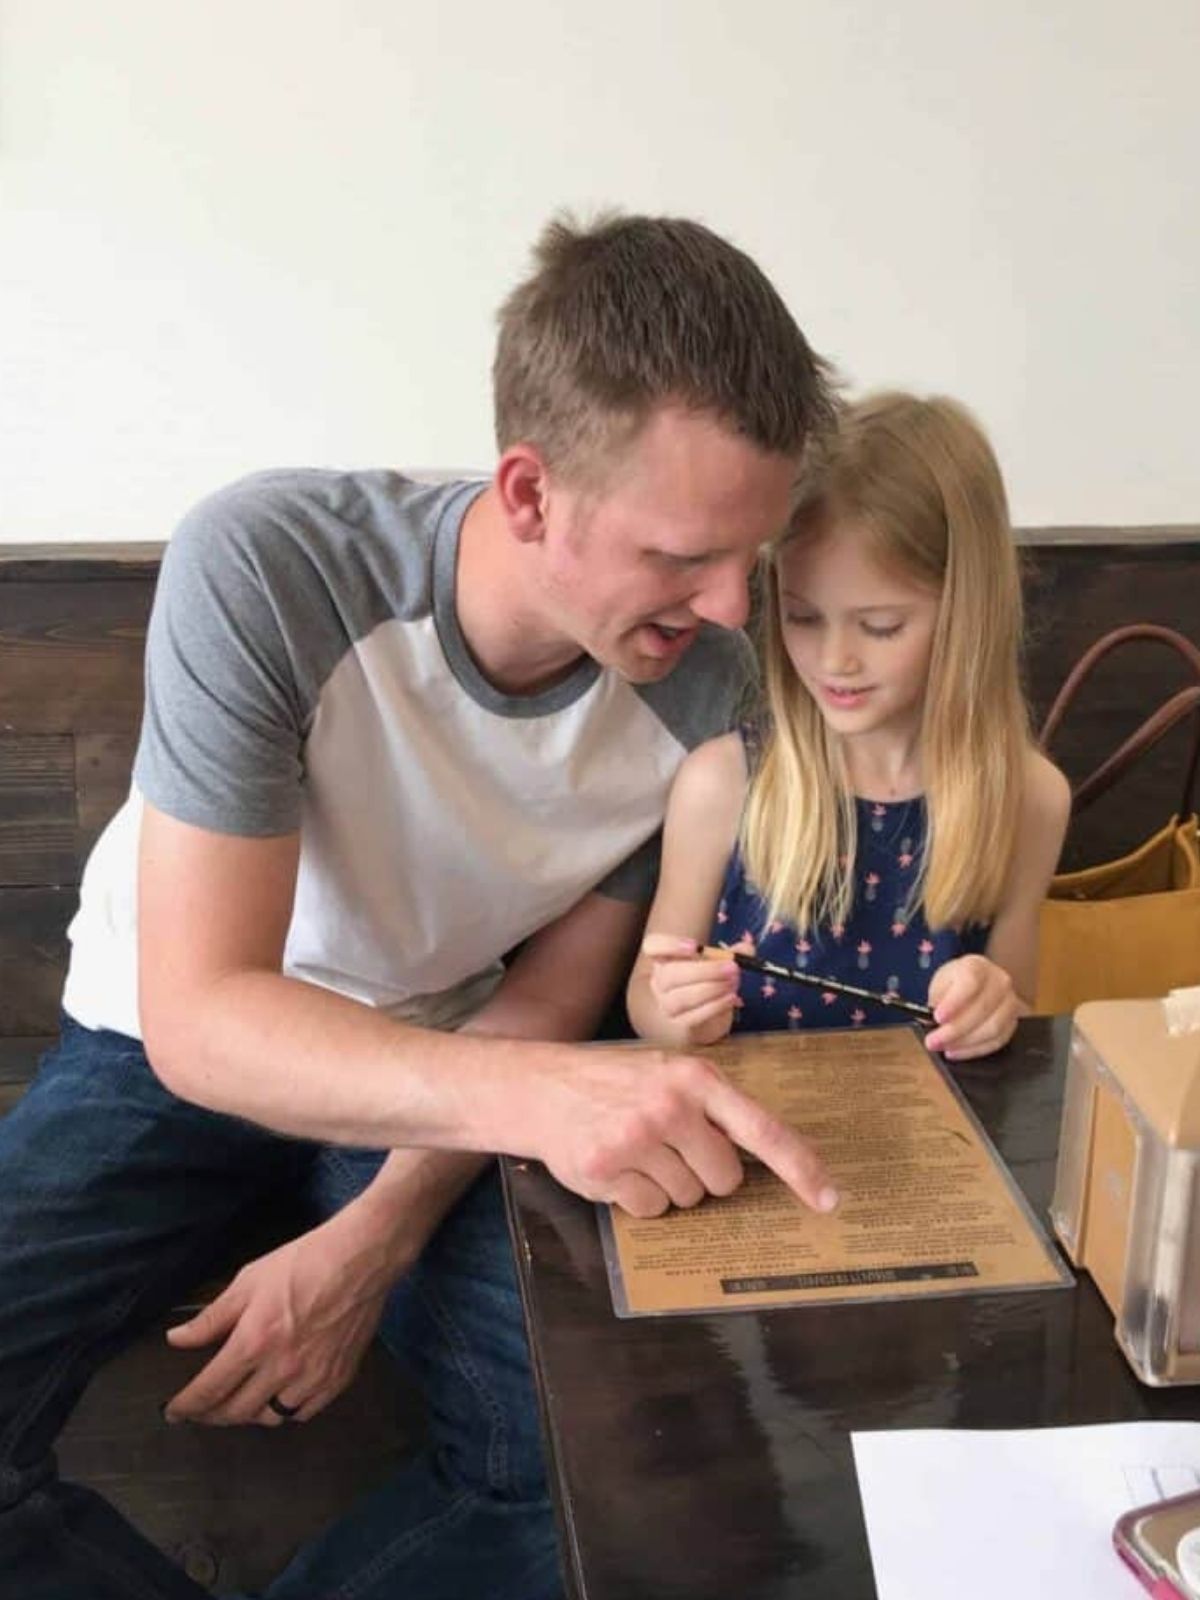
<point x="523" y="486"/>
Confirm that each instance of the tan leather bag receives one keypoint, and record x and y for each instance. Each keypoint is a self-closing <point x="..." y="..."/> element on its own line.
<point x="1127" y="929"/>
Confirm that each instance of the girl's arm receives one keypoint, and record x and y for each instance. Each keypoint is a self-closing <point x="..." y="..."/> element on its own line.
<point x="675" y="997"/>
<point x="978" y="999"/>
<point x="1013" y="943"/>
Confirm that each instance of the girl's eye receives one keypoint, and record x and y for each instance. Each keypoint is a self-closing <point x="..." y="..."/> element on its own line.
<point x="801" y="619"/>
<point x="879" y="631"/>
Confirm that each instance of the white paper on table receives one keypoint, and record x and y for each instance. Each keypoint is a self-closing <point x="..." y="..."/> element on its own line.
<point x="999" y="1514"/>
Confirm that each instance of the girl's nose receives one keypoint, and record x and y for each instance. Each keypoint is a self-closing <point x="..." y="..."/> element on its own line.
<point x="840" y="655"/>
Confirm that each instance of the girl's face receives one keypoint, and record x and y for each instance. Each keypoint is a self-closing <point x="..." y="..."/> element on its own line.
<point x="859" y="636"/>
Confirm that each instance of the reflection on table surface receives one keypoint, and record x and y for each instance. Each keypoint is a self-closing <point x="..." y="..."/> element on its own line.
<point x="710" y="1456"/>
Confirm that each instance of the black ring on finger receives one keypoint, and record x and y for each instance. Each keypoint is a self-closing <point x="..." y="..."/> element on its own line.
<point x="282" y="1409"/>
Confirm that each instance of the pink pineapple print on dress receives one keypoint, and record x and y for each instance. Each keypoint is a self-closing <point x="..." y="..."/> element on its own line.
<point x="776" y="927"/>
<point x="899" y="926"/>
<point x="768" y="989"/>
<point x="864" y="954"/>
<point x="892" y="986"/>
<point x="905" y="858"/>
<point x="803" y="950"/>
<point x="871" y="881"/>
<point x="878" y="813"/>
<point x="827" y="997"/>
<point x="858" y="1016"/>
<point x="722" y="913"/>
<point x="924" y="953"/>
<point x="837" y="929"/>
<point x="795" y="1016"/>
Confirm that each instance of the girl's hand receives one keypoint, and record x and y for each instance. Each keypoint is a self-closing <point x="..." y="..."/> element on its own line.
<point x="975" y="1007"/>
<point x="696" y="993"/>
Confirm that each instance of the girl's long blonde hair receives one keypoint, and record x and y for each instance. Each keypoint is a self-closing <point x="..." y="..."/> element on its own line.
<point x="921" y="479"/>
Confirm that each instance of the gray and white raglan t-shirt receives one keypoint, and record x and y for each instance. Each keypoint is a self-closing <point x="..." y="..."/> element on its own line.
<point x="305" y="669"/>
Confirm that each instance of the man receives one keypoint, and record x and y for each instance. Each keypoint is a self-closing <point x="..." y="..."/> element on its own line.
<point x="393" y="733"/>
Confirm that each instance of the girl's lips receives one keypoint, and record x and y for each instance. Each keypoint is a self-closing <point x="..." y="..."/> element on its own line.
<point x="844" y="697"/>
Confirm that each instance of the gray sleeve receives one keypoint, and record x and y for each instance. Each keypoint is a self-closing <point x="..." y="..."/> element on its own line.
<point x="225" y="713"/>
<point x="740" y="687"/>
<point x="636" y="877"/>
<point x="707" y="695"/>
<point x="709" y="692"/>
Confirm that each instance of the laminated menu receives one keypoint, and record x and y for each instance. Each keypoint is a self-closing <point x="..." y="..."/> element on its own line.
<point x="927" y="1205"/>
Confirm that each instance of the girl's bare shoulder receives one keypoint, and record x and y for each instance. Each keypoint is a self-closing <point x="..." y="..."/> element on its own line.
<point x="1047" y="799"/>
<point x="711" y="783"/>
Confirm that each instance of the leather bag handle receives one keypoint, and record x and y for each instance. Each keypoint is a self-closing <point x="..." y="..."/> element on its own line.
<point x="1180" y="705"/>
<point x="1183" y="703"/>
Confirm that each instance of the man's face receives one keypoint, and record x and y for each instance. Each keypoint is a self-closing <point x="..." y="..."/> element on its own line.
<point x="631" y="570"/>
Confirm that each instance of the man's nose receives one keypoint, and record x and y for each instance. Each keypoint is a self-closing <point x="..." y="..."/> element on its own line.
<point x="725" y="597"/>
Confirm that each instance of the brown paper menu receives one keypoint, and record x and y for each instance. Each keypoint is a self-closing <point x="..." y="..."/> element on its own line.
<point x="927" y="1206"/>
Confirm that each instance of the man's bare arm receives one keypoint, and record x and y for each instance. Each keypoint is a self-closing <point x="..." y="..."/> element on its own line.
<point x="296" y="1323"/>
<point x="224" y="1028"/>
<point x="557" y="988"/>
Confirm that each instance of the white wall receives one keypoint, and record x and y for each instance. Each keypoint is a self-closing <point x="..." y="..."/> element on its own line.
<point x="240" y="233"/>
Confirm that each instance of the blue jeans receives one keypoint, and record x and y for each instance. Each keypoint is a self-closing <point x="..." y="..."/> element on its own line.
<point x="115" y="1196"/>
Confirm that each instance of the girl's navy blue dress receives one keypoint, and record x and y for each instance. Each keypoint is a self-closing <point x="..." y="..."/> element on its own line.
<point x="877" y="949"/>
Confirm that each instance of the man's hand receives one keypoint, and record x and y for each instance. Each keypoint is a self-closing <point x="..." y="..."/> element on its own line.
<point x="293" y="1324"/>
<point x="975" y="1007"/>
<point x="649" y="1130"/>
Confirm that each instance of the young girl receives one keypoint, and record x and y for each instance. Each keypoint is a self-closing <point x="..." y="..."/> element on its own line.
<point x="890" y="823"/>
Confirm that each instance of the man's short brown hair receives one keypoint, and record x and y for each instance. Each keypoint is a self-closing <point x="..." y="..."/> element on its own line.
<point x="635" y="312"/>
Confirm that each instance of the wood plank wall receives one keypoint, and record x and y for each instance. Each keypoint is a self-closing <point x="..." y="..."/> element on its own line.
<point x="72" y="628"/>
<point x="1075" y="591"/>
<point x="72" y="631"/>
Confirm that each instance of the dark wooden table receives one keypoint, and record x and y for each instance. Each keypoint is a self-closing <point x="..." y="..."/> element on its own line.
<point x="710" y="1456"/>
